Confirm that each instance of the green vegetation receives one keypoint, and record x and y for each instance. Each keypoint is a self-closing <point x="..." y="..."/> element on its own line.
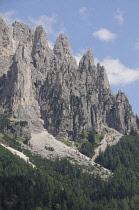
<point x="26" y="140"/>
<point x="61" y="185"/>
<point x="52" y="185"/>
<point x="68" y="143"/>
<point x="98" y="138"/>
<point x="7" y="125"/>
<point x="11" y="141"/>
<point x="123" y="160"/>
<point x="91" y="137"/>
<point x="87" y="149"/>
<point x="21" y="123"/>
<point x="4" y="121"/>
<point x="84" y="135"/>
<point x="92" y="141"/>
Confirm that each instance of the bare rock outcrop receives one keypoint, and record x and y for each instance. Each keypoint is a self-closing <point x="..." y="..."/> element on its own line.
<point x="5" y="40"/>
<point x="62" y="47"/>
<point x="121" y="115"/>
<point x="49" y="90"/>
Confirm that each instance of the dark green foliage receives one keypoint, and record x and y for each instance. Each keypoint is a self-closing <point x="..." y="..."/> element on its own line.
<point x="123" y="154"/>
<point x="87" y="149"/>
<point x="54" y="186"/>
<point x="21" y="123"/>
<point x="4" y="122"/>
<point x="26" y="141"/>
<point x="91" y="137"/>
<point x="11" y="141"/>
<point x="123" y="160"/>
<point x="61" y="185"/>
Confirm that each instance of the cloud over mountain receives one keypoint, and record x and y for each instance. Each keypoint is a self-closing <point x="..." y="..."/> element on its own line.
<point x="118" y="73"/>
<point x="104" y="35"/>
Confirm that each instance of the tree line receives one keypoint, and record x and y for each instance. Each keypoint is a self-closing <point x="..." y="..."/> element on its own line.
<point x="62" y="185"/>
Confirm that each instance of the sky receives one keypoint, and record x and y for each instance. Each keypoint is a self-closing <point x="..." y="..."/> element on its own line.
<point x="109" y="28"/>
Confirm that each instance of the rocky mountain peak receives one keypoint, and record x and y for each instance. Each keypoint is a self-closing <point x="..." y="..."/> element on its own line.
<point x="5" y="41"/>
<point x="103" y="79"/>
<point x="1" y="19"/>
<point x="41" y="53"/>
<point x="62" y="47"/>
<point x="87" y="61"/>
<point x="121" y="96"/>
<point x="40" y="38"/>
<point x="39" y="83"/>
<point x="22" y="33"/>
<point x="89" y="55"/>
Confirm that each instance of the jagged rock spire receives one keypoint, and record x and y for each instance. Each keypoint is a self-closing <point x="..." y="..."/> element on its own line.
<point x="103" y="82"/>
<point x="89" y="55"/>
<point x="5" y="42"/>
<point x="62" y="47"/>
<point x="1" y="19"/>
<point x="40" y="39"/>
<point x="121" y="96"/>
<point x="22" y="33"/>
<point x="41" y="52"/>
<point x="87" y="60"/>
<point x="36" y="82"/>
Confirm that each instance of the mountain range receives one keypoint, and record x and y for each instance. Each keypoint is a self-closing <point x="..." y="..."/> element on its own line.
<point x="49" y="90"/>
<point x="65" y="122"/>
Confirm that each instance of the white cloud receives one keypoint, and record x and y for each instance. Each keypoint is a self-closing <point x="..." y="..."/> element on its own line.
<point x="119" y="16"/>
<point x="118" y="73"/>
<point x="9" y="17"/>
<point x="104" y="35"/>
<point x="83" y="10"/>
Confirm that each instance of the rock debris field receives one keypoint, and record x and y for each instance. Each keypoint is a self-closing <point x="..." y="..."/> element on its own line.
<point x="47" y="146"/>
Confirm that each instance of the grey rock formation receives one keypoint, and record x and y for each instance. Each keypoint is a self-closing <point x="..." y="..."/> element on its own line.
<point x="121" y="116"/>
<point x="49" y="90"/>
<point x="22" y="33"/>
<point x="17" y="88"/>
<point x="5" y="41"/>
<point x="62" y="47"/>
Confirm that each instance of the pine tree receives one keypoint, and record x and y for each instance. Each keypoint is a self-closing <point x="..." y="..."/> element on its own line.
<point x="91" y="137"/>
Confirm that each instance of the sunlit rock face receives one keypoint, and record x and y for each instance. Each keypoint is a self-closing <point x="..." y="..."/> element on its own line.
<point x="49" y="90"/>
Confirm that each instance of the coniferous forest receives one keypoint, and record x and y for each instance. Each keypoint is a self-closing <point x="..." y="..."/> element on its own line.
<point x="61" y="185"/>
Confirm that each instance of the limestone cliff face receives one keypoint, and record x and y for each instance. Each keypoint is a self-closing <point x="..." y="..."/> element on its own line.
<point x="17" y="87"/>
<point x="48" y="89"/>
<point x="5" y="39"/>
<point x="120" y="116"/>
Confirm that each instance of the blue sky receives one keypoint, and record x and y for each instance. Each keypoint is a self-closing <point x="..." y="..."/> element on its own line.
<point x="109" y="27"/>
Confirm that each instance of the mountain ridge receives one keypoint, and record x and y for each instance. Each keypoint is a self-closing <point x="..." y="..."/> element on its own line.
<point x="49" y="90"/>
